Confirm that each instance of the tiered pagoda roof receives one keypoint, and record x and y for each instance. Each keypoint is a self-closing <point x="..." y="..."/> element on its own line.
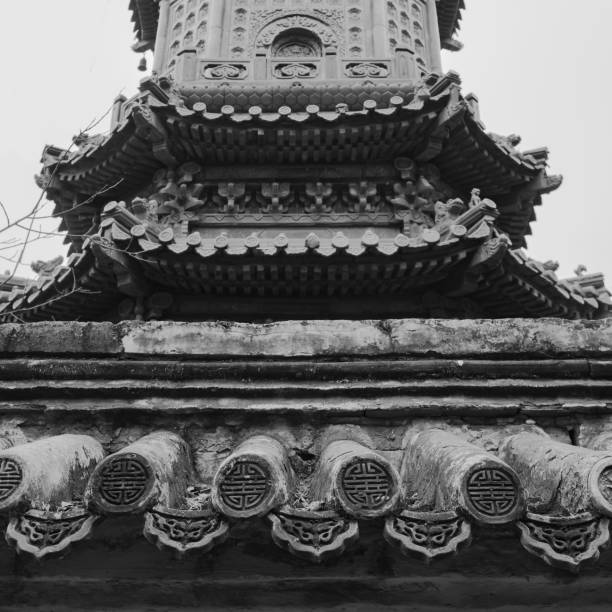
<point x="295" y="198"/>
<point x="319" y="253"/>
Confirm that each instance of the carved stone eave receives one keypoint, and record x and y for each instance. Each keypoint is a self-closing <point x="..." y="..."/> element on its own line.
<point x="567" y="542"/>
<point x="313" y="535"/>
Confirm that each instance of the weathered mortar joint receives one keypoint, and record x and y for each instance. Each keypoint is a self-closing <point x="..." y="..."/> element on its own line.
<point x="446" y="480"/>
<point x="39" y="483"/>
<point x="356" y="479"/>
<point x="314" y="535"/>
<point x="569" y="498"/>
<point x="193" y="527"/>
<point x="256" y="478"/>
<point x="156" y="469"/>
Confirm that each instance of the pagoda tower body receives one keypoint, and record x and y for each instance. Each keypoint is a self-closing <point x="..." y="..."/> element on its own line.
<point x="297" y="342"/>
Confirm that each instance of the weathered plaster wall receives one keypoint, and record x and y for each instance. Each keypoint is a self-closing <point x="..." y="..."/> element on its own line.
<point x="323" y="339"/>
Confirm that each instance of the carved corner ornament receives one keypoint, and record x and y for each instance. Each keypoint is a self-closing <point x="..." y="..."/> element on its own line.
<point x="312" y="535"/>
<point x="428" y="535"/>
<point x="185" y="531"/>
<point x="566" y="542"/>
<point x="42" y="533"/>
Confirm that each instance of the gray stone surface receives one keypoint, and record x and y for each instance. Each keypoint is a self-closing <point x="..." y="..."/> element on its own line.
<point x="431" y="338"/>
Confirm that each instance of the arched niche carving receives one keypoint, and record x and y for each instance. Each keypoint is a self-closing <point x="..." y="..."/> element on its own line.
<point x="296" y="43"/>
<point x="314" y="28"/>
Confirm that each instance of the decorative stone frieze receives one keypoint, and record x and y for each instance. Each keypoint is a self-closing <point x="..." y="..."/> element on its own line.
<point x="256" y="478"/>
<point x="153" y="470"/>
<point x="357" y="479"/>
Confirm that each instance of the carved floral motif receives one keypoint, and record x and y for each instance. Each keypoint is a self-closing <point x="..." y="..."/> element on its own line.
<point x="429" y="535"/>
<point x="41" y="533"/>
<point x="367" y="69"/>
<point x="566" y="542"/>
<point x="295" y="70"/>
<point x="185" y="530"/>
<point x="231" y="72"/>
<point x="314" y="535"/>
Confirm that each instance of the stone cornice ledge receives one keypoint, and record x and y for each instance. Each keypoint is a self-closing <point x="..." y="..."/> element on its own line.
<point x="549" y="338"/>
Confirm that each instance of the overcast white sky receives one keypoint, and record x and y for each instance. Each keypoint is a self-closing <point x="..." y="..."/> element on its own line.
<point x="539" y="67"/>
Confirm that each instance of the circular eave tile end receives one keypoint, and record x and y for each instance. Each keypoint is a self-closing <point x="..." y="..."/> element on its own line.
<point x="493" y="494"/>
<point x="11" y="482"/>
<point x="368" y="487"/>
<point x="244" y="487"/>
<point x="123" y="483"/>
<point x="600" y="485"/>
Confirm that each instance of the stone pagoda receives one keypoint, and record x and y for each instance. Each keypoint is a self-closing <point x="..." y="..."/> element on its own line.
<point x="297" y="344"/>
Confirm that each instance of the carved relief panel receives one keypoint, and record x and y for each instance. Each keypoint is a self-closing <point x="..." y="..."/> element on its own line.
<point x="187" y="28"/>
<point x="325" y="39"/>
<point x="349" y="20"/>
<point x="407" y="29"/>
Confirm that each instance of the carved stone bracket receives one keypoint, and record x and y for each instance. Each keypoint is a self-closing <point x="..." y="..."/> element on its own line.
<point x="153" y="470"/>
<point x="41" y="533"/>
<point x="361" y="481"/>
<point x="445" y="472"/>
<point x="361" y="195"/>
<point x="274" y="196"/>
<point x="313" y="535"/>
<point x="429" y="535"/>
<point x="566" y="542"/>
<point x="185" y="530"/>
<point x="256" y="478"/>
